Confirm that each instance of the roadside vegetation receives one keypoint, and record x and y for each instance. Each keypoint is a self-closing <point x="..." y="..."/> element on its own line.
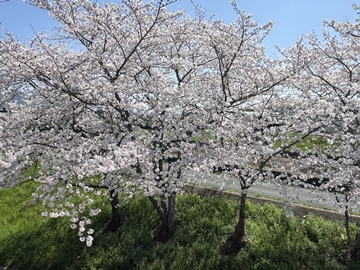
<point x="29" y="241"/>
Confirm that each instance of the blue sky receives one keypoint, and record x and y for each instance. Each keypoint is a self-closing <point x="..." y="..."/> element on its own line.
<point x="291" y="17"/>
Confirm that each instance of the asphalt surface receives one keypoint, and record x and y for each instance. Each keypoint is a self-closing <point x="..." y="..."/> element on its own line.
<point x="315" y="198"/>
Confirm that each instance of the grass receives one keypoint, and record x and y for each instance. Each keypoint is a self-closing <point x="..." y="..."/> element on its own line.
<point x="310" y="142"/>
<point x="29" y="241"/>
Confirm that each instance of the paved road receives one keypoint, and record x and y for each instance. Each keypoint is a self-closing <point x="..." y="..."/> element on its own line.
<point x="299" y="195"/>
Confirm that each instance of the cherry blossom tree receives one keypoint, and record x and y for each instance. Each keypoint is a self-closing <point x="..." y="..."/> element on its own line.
<point x="80" y="115"/>
<point x="242" y="105"/>
<point x="171" y="116"/>
<point x="330" y="77"/>
<point x="120" y="112"/>
<point x="258" y="129"/>
<point x="66" y="138"/>
<point x="264" y="108"/>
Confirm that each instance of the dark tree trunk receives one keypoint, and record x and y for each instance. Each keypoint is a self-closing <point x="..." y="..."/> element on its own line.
<point x="238" y="239"/>
<point x="355" y="248"/>
<point x="116" y="214"/>
<point x="347" y="227"/>
<point x="354" y="245"/>
<point x="166" y="210"/>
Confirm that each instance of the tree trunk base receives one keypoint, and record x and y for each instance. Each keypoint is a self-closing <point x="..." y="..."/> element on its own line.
<point x="162" y="236"/>
<point x="344" y="257"/>
<point x="351" y="254"/>
<point x="231" y="247"/>
<point x="113" y="225"/>
<point x="355" y="249"/>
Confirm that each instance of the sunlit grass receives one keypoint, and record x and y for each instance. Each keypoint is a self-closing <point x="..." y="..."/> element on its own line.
<point x="310" y="142"/>
<point x="29" y="241"/>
